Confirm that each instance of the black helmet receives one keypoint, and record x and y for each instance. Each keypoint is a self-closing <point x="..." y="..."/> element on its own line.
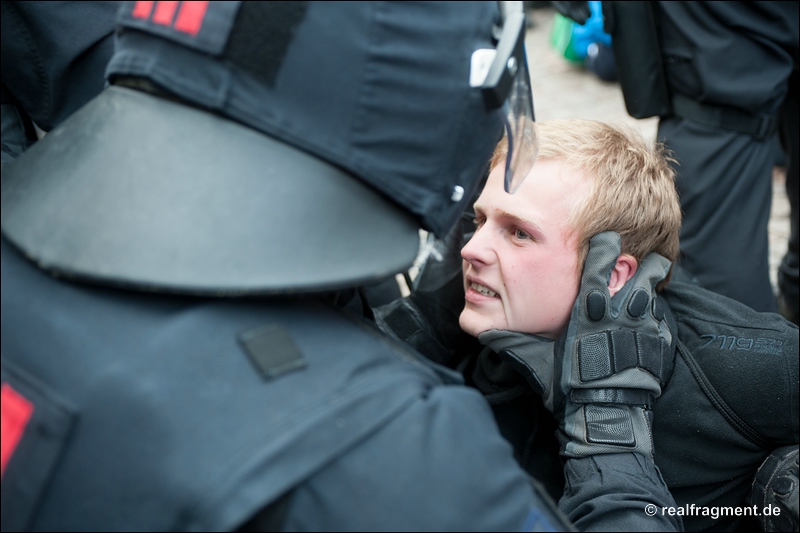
<point x="267" y="147"/>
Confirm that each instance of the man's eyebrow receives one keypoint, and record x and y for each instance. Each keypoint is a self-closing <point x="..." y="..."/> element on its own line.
<point x="516" y="219"/>
<point x="520" y="220"/>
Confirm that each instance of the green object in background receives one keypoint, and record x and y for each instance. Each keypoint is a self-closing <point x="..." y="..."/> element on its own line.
<point x="561" y="38"/>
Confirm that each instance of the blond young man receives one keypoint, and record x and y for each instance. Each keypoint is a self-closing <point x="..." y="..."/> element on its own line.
<point x="731" y="398"/>
<point x="625" y="187"/>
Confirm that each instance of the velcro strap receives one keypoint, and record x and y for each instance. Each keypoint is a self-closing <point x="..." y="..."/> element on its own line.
<point x="638" y="397"/>
<point x="652" y="352"/>
<point x="609" y="425"/>
<point x="760" y="126"/>
<point x="610" y="352"/>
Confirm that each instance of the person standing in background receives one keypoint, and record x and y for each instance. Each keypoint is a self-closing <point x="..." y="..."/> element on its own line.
<point x="720" y="76"/>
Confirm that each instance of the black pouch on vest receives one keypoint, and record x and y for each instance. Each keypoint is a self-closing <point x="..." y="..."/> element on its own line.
<point x="634" y="38"/>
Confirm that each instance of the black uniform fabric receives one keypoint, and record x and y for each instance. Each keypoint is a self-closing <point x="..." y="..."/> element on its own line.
<point x="736" y="58"/>
<point x="54" y="56"/>
<point x="732" y="399"/>
<point x="18" y="131"/>
<point x="150" y="415"/>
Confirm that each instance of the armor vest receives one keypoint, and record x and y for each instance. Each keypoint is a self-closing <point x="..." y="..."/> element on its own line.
<point x="133" y="411"/>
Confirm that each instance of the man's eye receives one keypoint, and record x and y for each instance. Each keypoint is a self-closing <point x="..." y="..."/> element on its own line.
<point x="522" y="235"/>
<point x="478" y="222"/>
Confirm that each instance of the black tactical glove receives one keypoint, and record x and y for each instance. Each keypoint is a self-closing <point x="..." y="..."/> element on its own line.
<point x="600" y="377"/>
<point x="777" y="485"/>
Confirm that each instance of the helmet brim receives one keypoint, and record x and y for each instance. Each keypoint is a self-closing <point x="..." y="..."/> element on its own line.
<point x="139" y="191"/>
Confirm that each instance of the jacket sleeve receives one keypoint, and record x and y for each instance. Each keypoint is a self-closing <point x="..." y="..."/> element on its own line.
<point x="618" y="492"/>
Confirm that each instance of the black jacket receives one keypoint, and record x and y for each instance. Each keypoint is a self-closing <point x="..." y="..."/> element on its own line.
<point x="732" y="399"/>
<point x="155" y="412"/>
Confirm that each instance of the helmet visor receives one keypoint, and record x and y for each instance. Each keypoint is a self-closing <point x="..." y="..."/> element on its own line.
<point x="523" y="142"/>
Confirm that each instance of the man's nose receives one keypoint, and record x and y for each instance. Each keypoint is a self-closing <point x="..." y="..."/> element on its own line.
<point x="478" y="250"/>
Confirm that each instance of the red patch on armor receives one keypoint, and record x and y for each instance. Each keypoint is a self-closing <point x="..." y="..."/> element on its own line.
<point x="164" y="13"/>
<point x="142" y="10"/>
<point x="15" y="412"/>
<point x="190" y="17"/>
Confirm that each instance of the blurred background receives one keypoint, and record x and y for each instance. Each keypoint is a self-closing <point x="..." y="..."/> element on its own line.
<point x="564" y="88"/>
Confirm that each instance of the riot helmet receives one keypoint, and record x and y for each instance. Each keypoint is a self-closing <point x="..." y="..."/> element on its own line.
<point x="270" y="148"/>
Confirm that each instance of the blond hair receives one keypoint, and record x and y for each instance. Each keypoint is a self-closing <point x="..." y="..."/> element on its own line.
<point x="633" y="185"/>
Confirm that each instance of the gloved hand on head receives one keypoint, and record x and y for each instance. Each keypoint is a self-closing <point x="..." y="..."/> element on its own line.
<point x="600" y="377"/>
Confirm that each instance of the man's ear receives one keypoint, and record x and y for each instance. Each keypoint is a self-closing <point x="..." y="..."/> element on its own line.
<point x="623" y="271"/>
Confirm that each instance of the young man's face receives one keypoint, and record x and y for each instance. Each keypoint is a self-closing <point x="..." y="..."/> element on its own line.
<point x="521" y="266"/>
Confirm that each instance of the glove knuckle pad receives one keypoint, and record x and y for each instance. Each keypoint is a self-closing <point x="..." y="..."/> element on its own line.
<point x="595" y="305"/>
<point x="638" y="303"/>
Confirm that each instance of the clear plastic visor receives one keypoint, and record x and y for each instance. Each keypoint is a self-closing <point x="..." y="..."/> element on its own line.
<point x="523" y="141"/>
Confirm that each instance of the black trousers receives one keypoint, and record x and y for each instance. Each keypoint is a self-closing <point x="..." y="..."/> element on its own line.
<point x="724" y="179"/>
<point x="736" y="59"/>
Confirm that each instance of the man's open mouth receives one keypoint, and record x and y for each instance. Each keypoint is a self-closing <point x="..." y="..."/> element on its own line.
<point x="483" y="290"/>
